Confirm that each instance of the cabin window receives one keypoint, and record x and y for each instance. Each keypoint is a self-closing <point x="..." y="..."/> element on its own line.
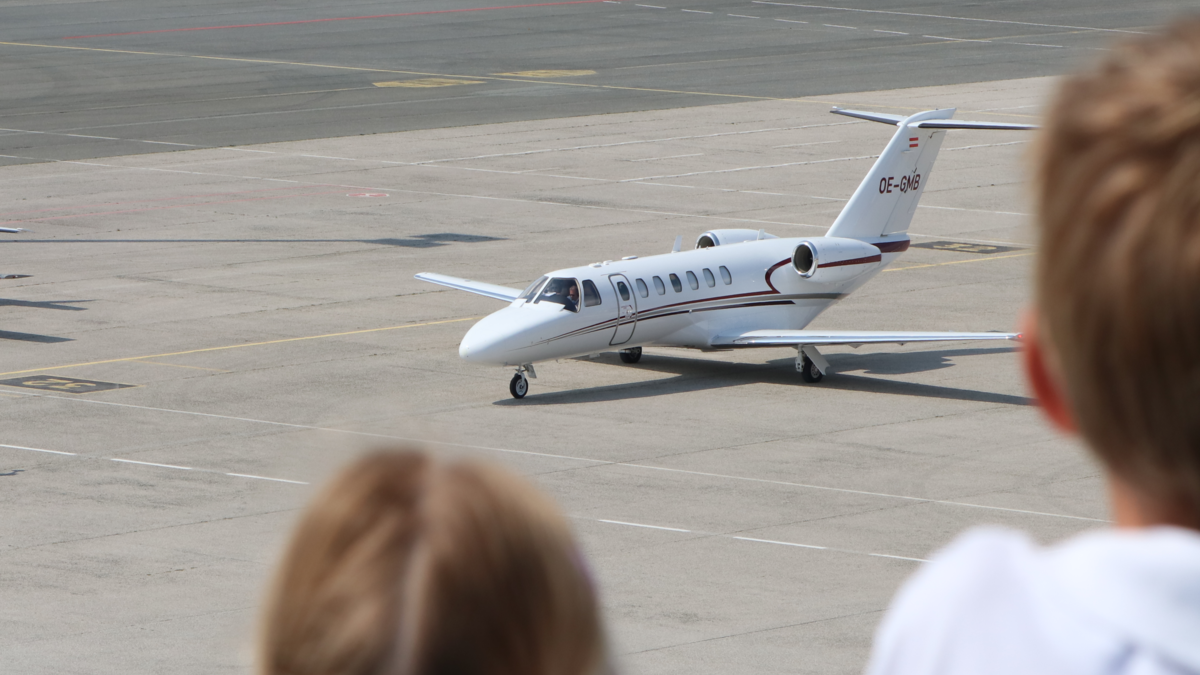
<point x="642" y="289"/>
<point x="591" y="296"/>
<point x="561" y="291"/>
<point x="623" y="290"/>
<point x="693" y="281"/>
<point x="725" y="276"/>
<point x="659" y="286"/>
<point x="709" y="278"/>
<point x="675" y="283"/>
<point x="533" y="288"/>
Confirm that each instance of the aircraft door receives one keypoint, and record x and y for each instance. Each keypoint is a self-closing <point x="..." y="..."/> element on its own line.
<point x="626" y="309"/>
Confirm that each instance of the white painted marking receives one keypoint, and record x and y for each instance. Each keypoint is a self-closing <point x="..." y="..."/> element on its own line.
<point x="890" y="32"/>
<point x="102" y="138"/>
<point x="164" y="466"/>
<point x="897" y="557"/>
<point x="953" y="18"/>
<point x="782" y="543"/>
<point x="346" y="159"/>
<point x="790" y="21"/>
<point x="265" y="152"/>
<point x="650" y="527"/>
<point x="185" y="145"/>
<point x="742" y="16"/>
<point x="695" y="11"/>
<point x="655" y="159"/>
<point x="52" y="452"/>
<point x="952" y="39"/>
<point x="834" y="25"/>
<point x="1034" y="44"/>
<point x="277" y="480"/>
<point x="649" y="6"/>
<point x="597" y="462"/>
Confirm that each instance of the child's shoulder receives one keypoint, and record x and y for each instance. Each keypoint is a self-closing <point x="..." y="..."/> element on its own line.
<point x="996" y="601"/>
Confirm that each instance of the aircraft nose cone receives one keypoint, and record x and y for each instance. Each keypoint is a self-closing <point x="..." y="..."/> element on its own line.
<point x="485" y="342"/>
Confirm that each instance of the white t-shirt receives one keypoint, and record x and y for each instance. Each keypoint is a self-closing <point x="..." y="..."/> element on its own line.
<point x="1110" y="601"/>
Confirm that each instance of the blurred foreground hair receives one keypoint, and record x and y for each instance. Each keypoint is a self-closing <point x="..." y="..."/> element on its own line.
<point x="409" y="566"/>
<point x="1119" y="266"/>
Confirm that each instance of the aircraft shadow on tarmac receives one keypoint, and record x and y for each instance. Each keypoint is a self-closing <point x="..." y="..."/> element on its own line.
<point x="68" y="305"/>
<point x="699" y="374"/>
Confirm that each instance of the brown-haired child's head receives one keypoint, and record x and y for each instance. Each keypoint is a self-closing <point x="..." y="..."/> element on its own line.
<point x="407" y="566"/>
<point x="1118" y="280"/>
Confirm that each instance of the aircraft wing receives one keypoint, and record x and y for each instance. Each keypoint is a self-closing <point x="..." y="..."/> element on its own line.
<point x="11" y="230"/>
<point x="817" y="338"/>
<point x="479" y="287"/>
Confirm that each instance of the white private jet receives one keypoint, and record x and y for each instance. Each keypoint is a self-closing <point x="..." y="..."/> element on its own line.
<point x="738" y="288"/>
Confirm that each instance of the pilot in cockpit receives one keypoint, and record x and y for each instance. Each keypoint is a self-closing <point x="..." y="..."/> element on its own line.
<point x="562" y="291"/>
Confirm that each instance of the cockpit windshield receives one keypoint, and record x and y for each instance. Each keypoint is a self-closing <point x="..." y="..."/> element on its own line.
<point x="533" y="289"/>
<point x="562" y="291"/>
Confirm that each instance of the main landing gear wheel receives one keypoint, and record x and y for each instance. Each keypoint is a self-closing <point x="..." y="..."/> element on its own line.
<point x="631" y="355"/>
<point x="518" y="386"/>
<point x="810" y="372"/>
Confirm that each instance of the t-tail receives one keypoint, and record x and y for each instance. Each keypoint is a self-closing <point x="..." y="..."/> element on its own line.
<point x="884" y="203"/>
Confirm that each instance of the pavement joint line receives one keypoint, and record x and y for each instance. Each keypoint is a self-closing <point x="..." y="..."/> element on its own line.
<point x="430" y="192"/>
<point x="941" y="16"/>
<point x="448" y="75"/>
<point x="781" y="543"/>
<point x="748" y="168"/>
<point x="239" y="346"/>
<point x="331" y="19"/>
<point x="548" y="455"/>
<point x="960" y="262"/>
<point x="510" y="199"/>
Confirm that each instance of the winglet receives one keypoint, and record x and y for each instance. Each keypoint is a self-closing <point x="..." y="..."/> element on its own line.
<point x="883" y="118"/>
<point x="678" y="244"/>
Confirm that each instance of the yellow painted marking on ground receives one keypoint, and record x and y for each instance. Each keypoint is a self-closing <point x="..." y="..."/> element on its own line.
<point x="360" y="69"/>
<point x="960" y="262"/>
<point x="248" y="344"/>
<point x="177" y="365"/>
<point x="548" y="73"/>
<point x="427" y="82"/>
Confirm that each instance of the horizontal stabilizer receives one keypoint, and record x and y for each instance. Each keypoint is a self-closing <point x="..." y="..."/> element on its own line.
<point x="964" y="124"/>
<point x="870" y="116"/>
<point x="817" y="338"/>
<point x="478" y="287"/>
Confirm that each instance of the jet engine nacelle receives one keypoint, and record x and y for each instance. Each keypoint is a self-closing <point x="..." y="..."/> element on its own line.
<point x="834" y="259"/>
<point x="727" y="237"/>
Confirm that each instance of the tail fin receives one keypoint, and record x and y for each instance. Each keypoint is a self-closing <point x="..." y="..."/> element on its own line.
<point x="885" y="201"/>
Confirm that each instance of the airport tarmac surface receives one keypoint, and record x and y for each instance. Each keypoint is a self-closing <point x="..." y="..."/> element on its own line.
<point x="258" y="308"/>
<point x="95" y="79"/>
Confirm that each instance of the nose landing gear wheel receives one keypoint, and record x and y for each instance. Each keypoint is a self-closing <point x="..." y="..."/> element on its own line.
<point x="631" y="355"/>
<point x="518" y="386"/>
<point x="809" y="372"/>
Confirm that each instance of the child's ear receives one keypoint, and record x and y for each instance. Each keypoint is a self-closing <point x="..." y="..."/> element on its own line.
<point x="1043" y="377"/>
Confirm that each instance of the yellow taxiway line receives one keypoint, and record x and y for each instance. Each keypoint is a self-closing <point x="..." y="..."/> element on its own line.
<point x="247" y="344"/>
